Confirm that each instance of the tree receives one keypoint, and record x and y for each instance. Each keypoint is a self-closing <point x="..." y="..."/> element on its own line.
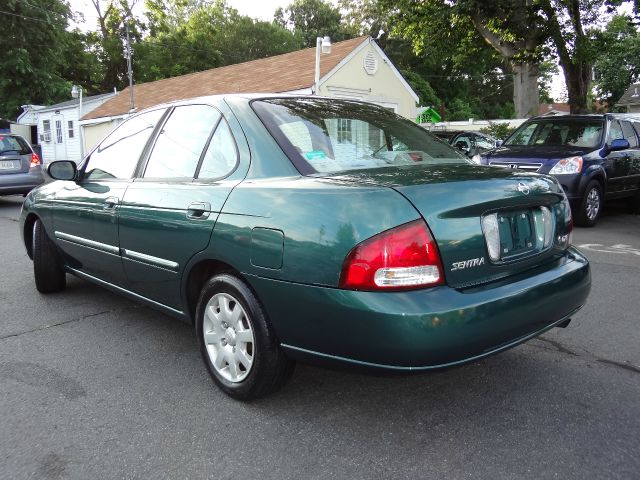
<point x="311" y="19"/>
<point x="511" y="27"/>
<point x="31" y="44"/>
<point x="617" y="64"/>
<point x="200" y="36"/>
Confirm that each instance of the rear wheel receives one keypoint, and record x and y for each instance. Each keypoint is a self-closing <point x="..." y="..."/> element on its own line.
<point x="47" y="266"/>
<point x="591" y="205"/>
<point x="237" y="343"/>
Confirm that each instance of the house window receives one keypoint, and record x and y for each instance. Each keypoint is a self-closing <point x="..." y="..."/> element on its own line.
<point x="46" y="127"/>
<point x="70" y="125"/>
<point x="58" y="131"/>
<point x="344" y="130"/>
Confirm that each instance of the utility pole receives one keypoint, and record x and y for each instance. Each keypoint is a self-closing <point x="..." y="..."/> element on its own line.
<point x="132" y="103"/>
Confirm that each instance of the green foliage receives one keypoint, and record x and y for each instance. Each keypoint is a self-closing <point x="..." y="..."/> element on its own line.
<point x="198" y="36"/>
<point x="617" y="64"/>
<point x="311" y="19"/>
<point x="32" y="44"/>
<point x="499" y="131"/>
<point x="427" y="95"/>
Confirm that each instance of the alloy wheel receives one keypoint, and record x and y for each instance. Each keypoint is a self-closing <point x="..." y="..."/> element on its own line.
<point x="593" y="203"/>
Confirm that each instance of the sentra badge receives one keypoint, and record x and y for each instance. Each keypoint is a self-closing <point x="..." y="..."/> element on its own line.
<point x="472" y="262"/>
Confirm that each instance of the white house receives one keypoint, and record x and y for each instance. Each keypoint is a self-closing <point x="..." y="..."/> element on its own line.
<point x="57" y="128"/>
<point x="354" y="69"/>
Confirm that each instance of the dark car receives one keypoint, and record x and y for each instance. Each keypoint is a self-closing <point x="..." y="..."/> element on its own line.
<point x="288" y="228"/>
<point x="20" y="167"/>
<point x="594" y="157"/>
<point x="472" y="143"/>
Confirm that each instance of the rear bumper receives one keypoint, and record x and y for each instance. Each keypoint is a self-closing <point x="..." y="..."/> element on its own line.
<point x="20" y="183"/>
<point x="424" y="329"/>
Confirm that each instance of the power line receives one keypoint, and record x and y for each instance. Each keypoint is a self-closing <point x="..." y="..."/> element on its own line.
<point x="24" y="17"/>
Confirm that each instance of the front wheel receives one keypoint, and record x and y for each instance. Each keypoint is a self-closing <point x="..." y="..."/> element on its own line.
<point x="591" y="205"/>
<point x="237" y="343"/>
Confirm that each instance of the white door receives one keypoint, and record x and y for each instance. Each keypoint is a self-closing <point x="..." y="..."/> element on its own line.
<point x="58" y="137"/>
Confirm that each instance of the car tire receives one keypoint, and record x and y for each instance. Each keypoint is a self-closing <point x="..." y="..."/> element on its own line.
<point x="48" y="270"/>
<point x="237" y="342"/>
<point x="591" y="205"/>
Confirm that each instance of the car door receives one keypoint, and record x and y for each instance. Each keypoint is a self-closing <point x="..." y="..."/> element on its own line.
<point x="85" y="212"/>
<point x="634" y="174"/>
<point x="617" y="164"/>
<point x="169" y="211"/>
<point x="632" y="157"/>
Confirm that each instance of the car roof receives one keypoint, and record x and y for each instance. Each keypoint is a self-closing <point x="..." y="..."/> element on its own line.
<point x="247" y="97"/>
<point x="587" y="116"/>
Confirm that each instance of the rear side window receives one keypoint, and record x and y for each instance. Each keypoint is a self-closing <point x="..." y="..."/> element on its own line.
<point x="10" y="143"/>
<point x="180" y="143"/>
<point x="221" y="156"/>
<point x="118" y="154"/>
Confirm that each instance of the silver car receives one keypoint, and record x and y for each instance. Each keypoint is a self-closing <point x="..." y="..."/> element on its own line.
<point x="20" y="166"/>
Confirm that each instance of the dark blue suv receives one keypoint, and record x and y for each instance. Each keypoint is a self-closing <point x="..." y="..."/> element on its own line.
<point x="594" y="157"/>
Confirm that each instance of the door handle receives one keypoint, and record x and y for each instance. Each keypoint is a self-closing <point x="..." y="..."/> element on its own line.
<point x="110" y="203"/>
<point x="199" y="210"/>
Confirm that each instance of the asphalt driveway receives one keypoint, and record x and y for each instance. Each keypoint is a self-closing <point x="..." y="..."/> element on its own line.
<point x="96" y="386"/>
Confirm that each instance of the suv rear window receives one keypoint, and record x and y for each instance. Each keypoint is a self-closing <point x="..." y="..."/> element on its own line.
<point x="10" y="143"/>
<point x="321" y="135"/>
<point x="558" y="132"/>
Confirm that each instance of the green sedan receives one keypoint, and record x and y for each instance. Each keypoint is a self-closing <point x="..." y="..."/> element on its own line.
<point x="292" y="228"/>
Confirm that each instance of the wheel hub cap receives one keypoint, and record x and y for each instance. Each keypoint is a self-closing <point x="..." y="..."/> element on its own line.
<point x="228" y="337"/>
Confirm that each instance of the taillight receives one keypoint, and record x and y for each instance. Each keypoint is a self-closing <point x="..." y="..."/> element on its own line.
<point x="404" y="257"/>
<point x="35" y="160"/>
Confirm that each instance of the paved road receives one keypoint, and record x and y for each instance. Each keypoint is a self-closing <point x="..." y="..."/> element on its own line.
<point x="96" y="386"/>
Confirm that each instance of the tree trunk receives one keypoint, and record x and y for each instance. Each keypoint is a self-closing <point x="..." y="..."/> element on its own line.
<point x="578" y="80"/>
<point x="525" y="89"/>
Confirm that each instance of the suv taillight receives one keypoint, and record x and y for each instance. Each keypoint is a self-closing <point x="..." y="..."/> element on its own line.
<point x="35" y="160"/>
<point x="405" y="257"/>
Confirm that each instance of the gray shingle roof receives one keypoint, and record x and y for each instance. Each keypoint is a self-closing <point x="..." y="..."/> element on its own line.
<point x="75" y="101"/>
<point x="631" y="96"/>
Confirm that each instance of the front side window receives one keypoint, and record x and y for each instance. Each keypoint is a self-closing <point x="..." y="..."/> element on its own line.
<point x="558" y="132"/>
<point x="615" y="131"/>
<point x="179" y="146"/>
<point x="321" y="135"/>
<point x="118" y="154"/>
<point x="629" y="134"/>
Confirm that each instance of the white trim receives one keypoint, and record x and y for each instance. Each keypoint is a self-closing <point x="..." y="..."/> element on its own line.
<point x="385" y="59"/>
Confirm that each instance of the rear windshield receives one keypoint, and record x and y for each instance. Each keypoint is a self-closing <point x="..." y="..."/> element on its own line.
<point x="11" y="144"/>
<point x="559" y="132"/>
<point x="321" y="135"/>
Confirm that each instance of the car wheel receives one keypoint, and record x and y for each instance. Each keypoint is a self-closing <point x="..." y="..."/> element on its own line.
<point x="47" y="266"/>
<point x="591" y="205"/>
<point x="237" y="342"/>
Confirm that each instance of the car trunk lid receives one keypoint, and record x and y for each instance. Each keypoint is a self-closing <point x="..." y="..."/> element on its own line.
<point x="13" y="162"/>
<point x="454" y="198"/>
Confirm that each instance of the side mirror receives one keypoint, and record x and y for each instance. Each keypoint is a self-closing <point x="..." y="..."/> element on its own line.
<point x="619" y="144"/>
<point x="62" y="170"/>
<point x="499" y="143"/>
